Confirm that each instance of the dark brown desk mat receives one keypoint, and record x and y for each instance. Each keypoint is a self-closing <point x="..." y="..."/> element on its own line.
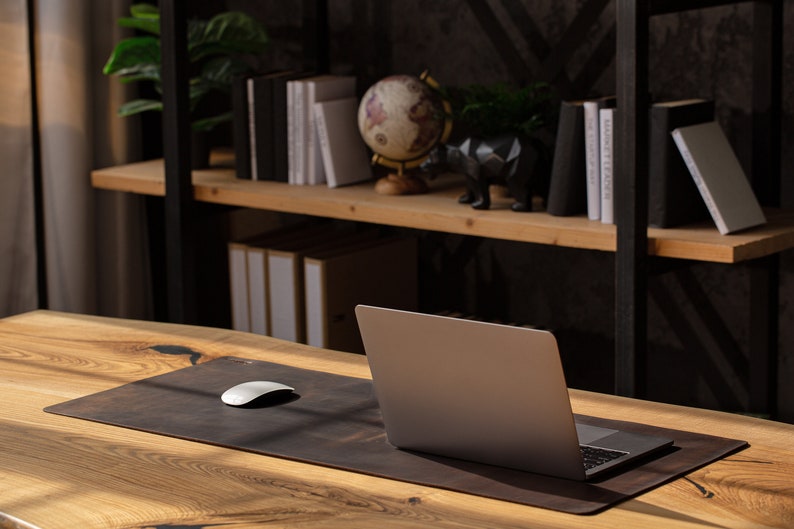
<point x="336" y="422"/>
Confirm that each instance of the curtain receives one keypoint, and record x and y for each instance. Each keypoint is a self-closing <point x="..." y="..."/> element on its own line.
<point x="94" y="243"/>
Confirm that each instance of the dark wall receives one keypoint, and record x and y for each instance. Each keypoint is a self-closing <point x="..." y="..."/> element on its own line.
<point x="703" y="53"/>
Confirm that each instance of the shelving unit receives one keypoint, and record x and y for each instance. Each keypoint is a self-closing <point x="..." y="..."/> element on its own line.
<point x="633" y="243"/>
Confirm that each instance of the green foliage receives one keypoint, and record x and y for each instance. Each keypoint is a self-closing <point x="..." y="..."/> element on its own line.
<point x="492" y="110"/>
<point x="215" y="50"/>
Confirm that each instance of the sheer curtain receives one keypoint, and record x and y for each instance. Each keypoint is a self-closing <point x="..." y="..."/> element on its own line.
<point x="94" y="241"/>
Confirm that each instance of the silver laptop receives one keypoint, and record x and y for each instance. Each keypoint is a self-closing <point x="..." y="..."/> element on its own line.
<point x="485" y="392"/>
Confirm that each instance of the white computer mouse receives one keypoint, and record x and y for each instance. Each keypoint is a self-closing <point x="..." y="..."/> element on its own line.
<point x="247" y="392"/>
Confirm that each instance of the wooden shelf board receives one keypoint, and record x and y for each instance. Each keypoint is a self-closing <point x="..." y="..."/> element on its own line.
<point x="440" y="211"/>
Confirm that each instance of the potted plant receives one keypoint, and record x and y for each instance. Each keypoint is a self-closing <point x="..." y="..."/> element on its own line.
<point x="500" y="131"/>
<point x="219" y="49"/>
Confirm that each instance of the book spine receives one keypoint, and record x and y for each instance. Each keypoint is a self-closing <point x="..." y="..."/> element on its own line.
<point x="567" y="193"/>
<point x="701" y="185"/>
<point x="240" y="128"/>
<point x="325" y="147"/>
<point x="592" y="163"/>
<point x="299" y="132"/>
<point x="252" y="128"/>
<point x="238" y="287"/>
<point x="314" y="281"/>
<point x="606" y="134"/>
<point x="291" y="131"/>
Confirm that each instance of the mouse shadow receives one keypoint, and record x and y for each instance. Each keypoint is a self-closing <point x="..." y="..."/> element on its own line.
<point x="271" y="401"/>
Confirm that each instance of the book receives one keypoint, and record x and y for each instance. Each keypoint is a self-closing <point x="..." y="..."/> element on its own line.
<point x="266" y="107"/>
<point x="240" y="127"/>
<point x="238" y="286"/>
<point x="673" y="197"/>
<point x="344" y="153"/>
<point x="381" y="272"/>
<point x="324" y="88"/>
<point x="280" y="135"/>
<point x="606" y="139"/>
<point x="719" y="177"/>
<point x="257" y="272"/>
<point x="285" y="280"/>
<point x="592" y="146"/>
<point x="567" y="184"/>
<point x="297" y="132"/>
<point x="260" y="111"/>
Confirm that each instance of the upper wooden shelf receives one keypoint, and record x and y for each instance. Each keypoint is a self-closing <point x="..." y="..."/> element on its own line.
<point x="440" y="211"/>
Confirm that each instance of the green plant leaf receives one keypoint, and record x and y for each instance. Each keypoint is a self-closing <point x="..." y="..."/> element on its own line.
<point x="145" y="11"/>
<point x="133" y="55"/>
<point x="136" y="106"/>
<point x="145" y="17"/>
<point x="221" y="71"/>
<point x="230" y="32"/>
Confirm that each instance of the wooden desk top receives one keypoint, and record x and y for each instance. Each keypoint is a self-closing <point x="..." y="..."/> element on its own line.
<point x="61" y="472"/>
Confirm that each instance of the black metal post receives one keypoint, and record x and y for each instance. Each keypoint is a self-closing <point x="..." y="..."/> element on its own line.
<point x="179" y="228"/>
<point x="42" y="288"/>
<point x="631" y="199"/>
<point x="316" y="36"/>
<point x="764" y="273"/>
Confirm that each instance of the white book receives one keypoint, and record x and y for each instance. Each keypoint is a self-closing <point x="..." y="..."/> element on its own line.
<point x="321" y="88"/>
<point x="337" y="280"/>
<point x="238" y="286"/>
<point x="256" y="260"/>
<point x="607" y="155"/>
<point x="719" y="176"/>
<point x="592" y="164"/>
<point x="592" y="150"/>
<point x="294" y="131"/>
<point x="249" y="92"/>
<point x="344" y="153"/>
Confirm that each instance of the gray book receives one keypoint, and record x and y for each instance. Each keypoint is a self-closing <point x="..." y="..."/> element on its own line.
<point x="719" y="177"/>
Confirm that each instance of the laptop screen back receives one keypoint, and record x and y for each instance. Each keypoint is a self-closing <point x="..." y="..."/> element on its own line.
<point x="471" y="390"/>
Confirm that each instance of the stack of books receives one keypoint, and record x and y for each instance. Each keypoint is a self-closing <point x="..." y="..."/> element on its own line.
<point x="281" y="129"/>
<point x="681" y="187"/>
<point x="302" y="283"/>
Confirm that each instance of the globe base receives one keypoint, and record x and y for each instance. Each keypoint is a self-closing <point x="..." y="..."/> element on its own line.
<point x="400" y="184"/>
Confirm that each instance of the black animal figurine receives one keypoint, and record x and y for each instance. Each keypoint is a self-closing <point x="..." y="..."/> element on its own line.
<point x="500" y="160"/>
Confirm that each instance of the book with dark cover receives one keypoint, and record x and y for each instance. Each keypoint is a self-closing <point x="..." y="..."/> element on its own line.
<point x="673" y="197"/>
<point x="240" y="134"/>
<point x="260" y="101"/>
<point x="568" y="185"/>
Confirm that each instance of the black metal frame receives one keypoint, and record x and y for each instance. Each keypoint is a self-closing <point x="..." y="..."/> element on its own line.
<point x="631" y="181"/>
<point x="631" y="263"/>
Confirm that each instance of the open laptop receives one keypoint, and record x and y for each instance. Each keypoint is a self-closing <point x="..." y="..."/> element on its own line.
<point x="485" y="392"/>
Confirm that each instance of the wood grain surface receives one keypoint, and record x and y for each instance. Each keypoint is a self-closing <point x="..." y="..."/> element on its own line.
<point x="60" y="472"/>
<point x="439" y="210"/>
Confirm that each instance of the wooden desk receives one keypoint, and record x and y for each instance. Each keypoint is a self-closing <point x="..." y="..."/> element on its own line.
<point x="61" y="472"/>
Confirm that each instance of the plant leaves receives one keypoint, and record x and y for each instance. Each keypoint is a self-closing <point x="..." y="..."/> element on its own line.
<point x="136" y="106"/>
<point x="230" y="32"/>
<point x="145" y="17"/>
<point x="133" y="55"/>
<point x="145" y="11"/>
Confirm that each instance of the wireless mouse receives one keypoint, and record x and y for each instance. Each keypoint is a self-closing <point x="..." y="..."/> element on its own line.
<point x="247" y="392"/>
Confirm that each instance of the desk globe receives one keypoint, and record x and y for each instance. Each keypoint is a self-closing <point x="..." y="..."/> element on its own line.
<point x="402" y="118"/>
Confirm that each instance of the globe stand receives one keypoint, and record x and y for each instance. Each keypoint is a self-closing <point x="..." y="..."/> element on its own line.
<point x="400" y="184"/>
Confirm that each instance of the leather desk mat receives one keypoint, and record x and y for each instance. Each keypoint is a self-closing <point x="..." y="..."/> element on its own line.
<point x="336" y="422"/>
